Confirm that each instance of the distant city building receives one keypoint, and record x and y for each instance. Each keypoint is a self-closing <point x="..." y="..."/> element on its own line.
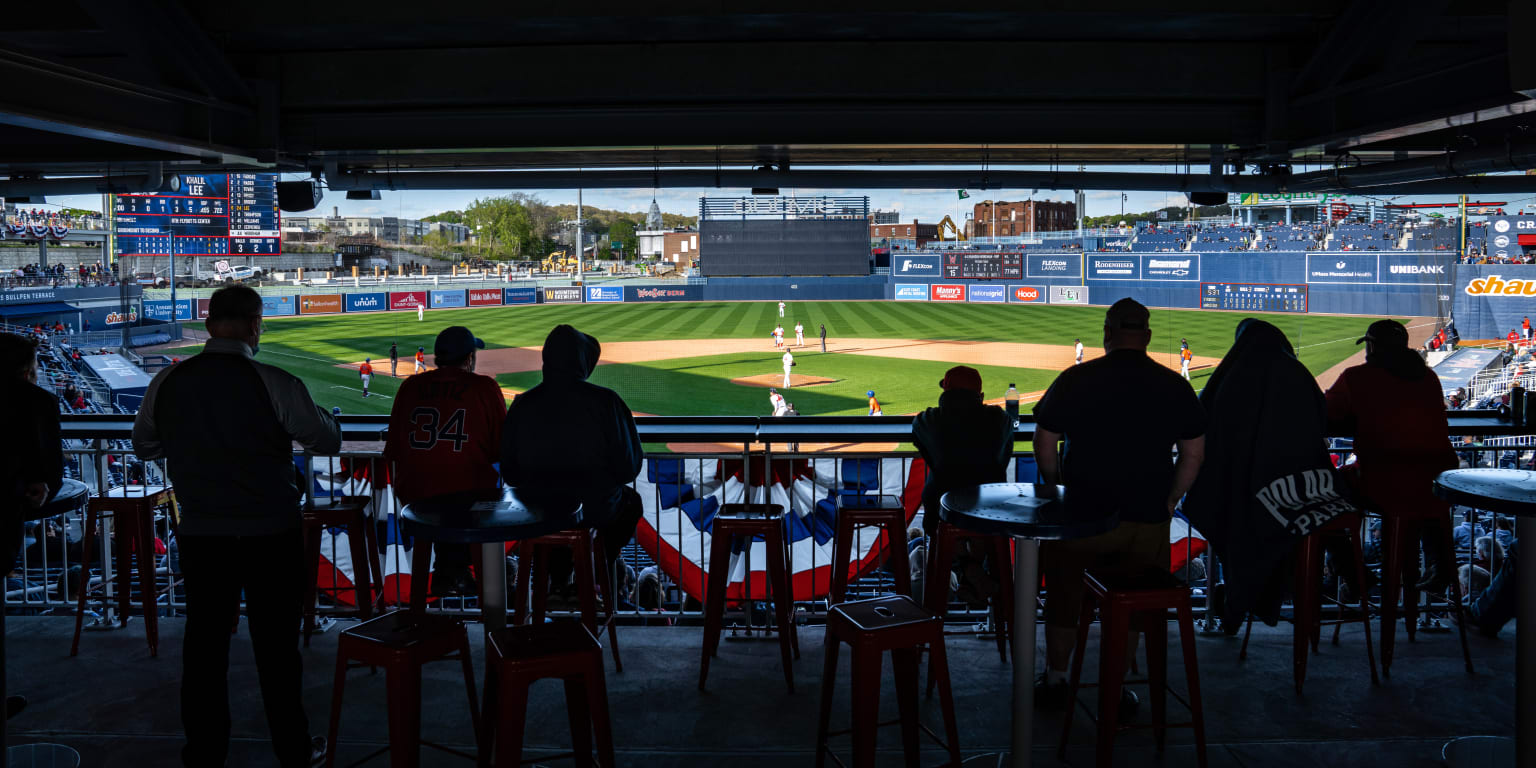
<point x="1005" y="219"/>
<point x="885" y="217"/>
<point x="680" y="247"/>
<point x="913" y="230"/>
<point x="387" y="229"/>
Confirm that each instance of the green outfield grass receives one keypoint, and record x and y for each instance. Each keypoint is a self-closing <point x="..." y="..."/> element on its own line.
<point x="311" y="347"/>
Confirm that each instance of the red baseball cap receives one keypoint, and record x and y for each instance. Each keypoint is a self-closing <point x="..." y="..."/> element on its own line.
<point x="962" y="377"/>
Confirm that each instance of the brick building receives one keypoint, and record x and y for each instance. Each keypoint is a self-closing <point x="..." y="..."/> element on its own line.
<point x="680" y="248"/>
<point x="912" y="230"/>
<point x="1004" y="219"/>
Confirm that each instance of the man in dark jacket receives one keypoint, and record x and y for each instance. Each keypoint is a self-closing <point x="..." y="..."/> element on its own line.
<point x="230" y="459"/>
<point x="570" y="438"/>
<point x="963" y="441"/>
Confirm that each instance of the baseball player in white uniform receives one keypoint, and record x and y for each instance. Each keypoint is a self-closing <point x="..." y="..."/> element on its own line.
<point x="781" y="309"/>
<point x="799" y="334"/>
<point x="1079" y="343"/>
<point x="778" y="336"/>
<point x="789" y="361"/>
<point x="776" y="401"/>
<point x="421" y="312"/>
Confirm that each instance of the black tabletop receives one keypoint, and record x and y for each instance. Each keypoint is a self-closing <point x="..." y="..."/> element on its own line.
<point x="1019" y="509"/>
<point x="70" y="496"/>
<point x="1506" y="491"/>
<point x="477" y="517"/>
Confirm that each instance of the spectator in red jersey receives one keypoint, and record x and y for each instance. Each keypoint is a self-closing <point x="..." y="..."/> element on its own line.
<point x="444" y="437"/>
<point x="1513" y="337"/>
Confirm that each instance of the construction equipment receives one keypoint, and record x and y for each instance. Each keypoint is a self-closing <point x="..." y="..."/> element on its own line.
<point x="558" y="261"/>
<point x="956" y="231"/>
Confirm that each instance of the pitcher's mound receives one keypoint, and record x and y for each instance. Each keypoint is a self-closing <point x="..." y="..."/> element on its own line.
<point x="777" y="380"/>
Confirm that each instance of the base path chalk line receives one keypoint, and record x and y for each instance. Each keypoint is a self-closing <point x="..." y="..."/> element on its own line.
<point x="355" y="389"/>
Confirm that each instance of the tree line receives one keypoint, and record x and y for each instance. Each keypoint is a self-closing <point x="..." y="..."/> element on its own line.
<point x="520" y="226"/>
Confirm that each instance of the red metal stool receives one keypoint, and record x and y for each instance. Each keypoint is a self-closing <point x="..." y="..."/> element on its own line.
<point x="587" y="551"/>
<point x="746" y="521"/>
<point x="1120" y="596"/>
<point x="941" y="553"/>
<point x="893" y="522"/>
<point x="1307" y="624"/>
<point x="516" y="657"/>
<point x="1400" y="537"/>
<point x="133" y="535"/>
<point x="895" y="623"/>
<point x="348" y="512"/>
<point x="401" y="642"/>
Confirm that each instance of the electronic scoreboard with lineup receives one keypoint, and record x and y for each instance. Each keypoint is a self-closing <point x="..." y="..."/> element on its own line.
<point x="202" y="215"/>
<point x="1258" y="297"/>
<point x="983" y="266"/>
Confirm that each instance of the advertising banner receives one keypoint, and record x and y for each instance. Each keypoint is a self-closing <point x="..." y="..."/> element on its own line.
<point x="1114" y="267"/>
<point x="407" y="299"/>
<point x="484" y="297"/>
<point x="279" y="306"/>
<point x="202" y="309"/>
<point x="519" y="295"/>
<point x="1164" y="266"/>
<point x="115" y="317"/>
<point x="1416" y="268"/>
<point x="911" y="292"/>
<point x="1336" y="267"/>
<point x="678" y="293"/>
<point x="1504" y="246"/>
<point x="1052" y="265"/>
<point x="937" y="292"/>
<point x="448" y="299"/>
<point x="1069" y="294"/>
<point x="158" y="310"/>
<point x="915" y="265"/>
<point x="367" y="302"/>
<point x="184" y="308"/>
<point x="987" y="294"/>
<point x="1026" y="294"/>
<point x="563" y="295"/>
<point x="605" y="294"/>
<point x="320" y="304"/>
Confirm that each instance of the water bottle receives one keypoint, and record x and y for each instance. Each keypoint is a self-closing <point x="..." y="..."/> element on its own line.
<point x="1011" y="403"/>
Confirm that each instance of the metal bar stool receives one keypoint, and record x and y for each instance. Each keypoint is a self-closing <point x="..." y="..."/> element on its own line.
<point x="348" y="512"/>
<point x="587" y="551"/>
<point x="1399" y="552"/>
<point x="746" y="521"/>
<point x="891" y="518"/>
<point x="517" y="657"/>
<point x="132" y="509"/>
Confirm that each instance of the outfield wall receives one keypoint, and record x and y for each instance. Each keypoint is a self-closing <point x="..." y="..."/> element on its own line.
<point x="1492" y="299"/>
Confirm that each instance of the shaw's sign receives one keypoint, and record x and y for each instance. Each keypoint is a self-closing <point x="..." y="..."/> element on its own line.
<point x="1494" y="285"/>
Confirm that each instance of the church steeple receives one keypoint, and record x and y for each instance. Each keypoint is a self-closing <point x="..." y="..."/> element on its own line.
<point x="653" y="217"/>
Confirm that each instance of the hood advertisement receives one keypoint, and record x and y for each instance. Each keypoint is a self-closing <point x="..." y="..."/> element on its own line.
<point x="937" y="292"/>
<point x="1114" y="268"/>
<point x="367" y="302"/>
<point x="605" y="294"/>
<point x="1026" y="294"/>
<point x="1170" y="267"/>
<point x="915" y="266"/>
<point x="1339" y="267"/>
<point x="1069" y="294"/>
<point x="320" y="304"/>
<point x="1416" y="268"/>
<point x="447" y="299"/>
<point x="279" y="306"/>
<point x="519" y="295"/>
<point x="563" y="295"/>
<point x="678" y="293"/>
<point x="407" y="300"/>
<point x="911" y="292"/>
<point x="987" y="294"/>
<point x="484" y="297"/>
<point x="1052" y="265"/>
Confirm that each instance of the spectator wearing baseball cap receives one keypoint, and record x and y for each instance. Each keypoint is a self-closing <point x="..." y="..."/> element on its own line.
<point x="964" y="441"/>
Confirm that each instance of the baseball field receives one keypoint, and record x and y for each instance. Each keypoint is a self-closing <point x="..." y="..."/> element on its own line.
<point x="715" y="358"/>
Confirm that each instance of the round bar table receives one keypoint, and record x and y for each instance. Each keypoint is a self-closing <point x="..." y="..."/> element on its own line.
<point x="1030" y="514"/>
<point x="490" y="519"/>
<point x="1506" y="492"/>
<point x="72" y="495"/>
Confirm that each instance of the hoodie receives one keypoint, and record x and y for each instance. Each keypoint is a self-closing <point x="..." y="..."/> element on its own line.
<point x="964" y="443"/>
<point x="568" y="437"/>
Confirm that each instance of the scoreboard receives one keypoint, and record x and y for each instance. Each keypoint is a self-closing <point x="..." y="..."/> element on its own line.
<point x="965" y="265"/>
<point x="1257" y="297"/>
<point x="202" y="215"/>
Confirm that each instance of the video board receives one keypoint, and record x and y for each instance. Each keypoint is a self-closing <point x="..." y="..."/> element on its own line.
<point x="202" y="215"/>
<point x="964" y="265"/>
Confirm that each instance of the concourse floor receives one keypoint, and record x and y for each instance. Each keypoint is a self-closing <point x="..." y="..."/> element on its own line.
<point x="119" y="707"/>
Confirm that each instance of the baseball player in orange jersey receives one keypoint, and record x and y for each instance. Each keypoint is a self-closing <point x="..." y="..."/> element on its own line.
<point x="444" y="435"/>
<point x="365" y="372"/>
<point x="1184" y="357"/>
<point x="421" y="359"/>
<point x="874" y="405"/>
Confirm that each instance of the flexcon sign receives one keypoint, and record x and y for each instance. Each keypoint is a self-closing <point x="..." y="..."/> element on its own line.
<point x="937" y="292"/>
<point x="407" y="300"/>
<point x="484" y="297"/>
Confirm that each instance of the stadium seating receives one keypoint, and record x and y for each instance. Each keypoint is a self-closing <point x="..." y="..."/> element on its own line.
<point x="1365" y="237"/>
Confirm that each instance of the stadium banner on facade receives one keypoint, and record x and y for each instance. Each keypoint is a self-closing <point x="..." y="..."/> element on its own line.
<point x="279" y="306"/>
<point x="116" y="317"/>
<point x="605" y="294"/>
<point x="407" y="300"/>
<point x="202" y="308"/>
<point x="519" y="295"/>
<point x="320" y="304"/>
<point x="1126" y="267"/>
<point x="185" y="308"/>
<point x="448" y="299"/>
<point x="1341" y="267"/>
<point x="915" y="265"/>
<point x="1504" y="246"/>
<point x="160" y="310"/>
<point x="937" y="292"/>
<point x="987" y="293"/>
<point x="1489" y="299"/>
<point x="562" y="295"/>
<point x="911" y="292"/>
<point x="1069" y="294"/>
<point x="367" y="302"/>
<point x="1026" y="294"/>
<point x="484" y="297"/>
<point x="1164" y="266"/>
<point x="1053" y="265"/>
<point x="674" y="293"/>
<point x="1416" y="268"/>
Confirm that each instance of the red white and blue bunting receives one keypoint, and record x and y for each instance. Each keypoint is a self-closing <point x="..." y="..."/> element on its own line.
<point x="34" y="231"/>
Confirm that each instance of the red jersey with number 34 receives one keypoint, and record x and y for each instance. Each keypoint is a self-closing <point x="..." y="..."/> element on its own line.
<point x="444" y="433"/>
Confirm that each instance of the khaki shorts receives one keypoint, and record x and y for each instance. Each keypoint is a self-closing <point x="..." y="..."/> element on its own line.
<point x="1063" y="562"/>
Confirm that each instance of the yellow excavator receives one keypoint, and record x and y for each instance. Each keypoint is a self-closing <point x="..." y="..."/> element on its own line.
<point x="558" y="262"/>
<point x="948" y="223"/>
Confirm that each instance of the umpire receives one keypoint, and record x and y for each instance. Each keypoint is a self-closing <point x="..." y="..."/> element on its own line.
<point x="231" y="461"/>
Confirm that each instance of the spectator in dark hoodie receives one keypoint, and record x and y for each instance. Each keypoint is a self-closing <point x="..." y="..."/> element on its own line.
<point x="963" y="441"/>
<point x="568" y="437"/>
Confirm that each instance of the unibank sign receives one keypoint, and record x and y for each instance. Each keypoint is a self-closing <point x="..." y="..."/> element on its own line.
<point x="1495" y="285"/>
